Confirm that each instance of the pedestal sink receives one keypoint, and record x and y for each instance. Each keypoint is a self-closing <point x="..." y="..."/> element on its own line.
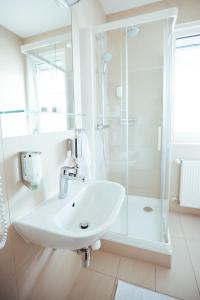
<point x="76" y="222"/>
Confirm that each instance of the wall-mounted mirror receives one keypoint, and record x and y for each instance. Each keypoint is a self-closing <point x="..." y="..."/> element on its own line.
<point x="36" y="73"/>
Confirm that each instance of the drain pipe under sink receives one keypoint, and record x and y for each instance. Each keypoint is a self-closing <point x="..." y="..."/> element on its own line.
<point x="86" y="253"/>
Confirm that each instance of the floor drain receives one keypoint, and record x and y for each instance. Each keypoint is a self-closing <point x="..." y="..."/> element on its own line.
<point x="84" y="225"/>
<point x="148" y="209"/>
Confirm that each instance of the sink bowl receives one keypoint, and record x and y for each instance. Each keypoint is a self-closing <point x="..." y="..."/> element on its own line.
<point x="76" y="222"/>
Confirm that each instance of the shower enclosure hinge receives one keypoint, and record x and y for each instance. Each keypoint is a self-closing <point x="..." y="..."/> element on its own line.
<point x="102" y="126"/>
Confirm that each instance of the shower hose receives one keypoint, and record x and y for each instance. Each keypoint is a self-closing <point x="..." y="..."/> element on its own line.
<point x="3" y="219"/>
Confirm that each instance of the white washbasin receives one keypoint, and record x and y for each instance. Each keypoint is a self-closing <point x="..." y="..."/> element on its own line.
<point x="56" y="222"/>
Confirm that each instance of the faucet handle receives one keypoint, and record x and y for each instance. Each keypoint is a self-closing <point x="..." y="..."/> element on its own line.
<point x="65" y="170"/>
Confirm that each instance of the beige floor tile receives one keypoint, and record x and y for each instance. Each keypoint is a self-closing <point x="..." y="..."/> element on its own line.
<point x="175" y="226"/>
<point x="179" y="281"/>
<point x="105" y="263"/>
<point x="194" y="249"/>
<point x="91" y="285"/>
<point x="191" y="226"/>
<point x="137" y="272"/>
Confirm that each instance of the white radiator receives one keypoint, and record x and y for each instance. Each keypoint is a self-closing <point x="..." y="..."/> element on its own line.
<point x="189" y="195"/>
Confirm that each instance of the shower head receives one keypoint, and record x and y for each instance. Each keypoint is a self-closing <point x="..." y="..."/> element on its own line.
<point x="66" y="3"/>
<point x="106" y="57"/>
<point x="133" y="31"/>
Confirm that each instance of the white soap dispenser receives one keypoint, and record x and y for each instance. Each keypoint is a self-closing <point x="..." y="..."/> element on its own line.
<point x="31" y="168"/>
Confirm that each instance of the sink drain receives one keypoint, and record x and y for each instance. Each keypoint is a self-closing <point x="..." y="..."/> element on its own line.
<point x="84" y="225"/>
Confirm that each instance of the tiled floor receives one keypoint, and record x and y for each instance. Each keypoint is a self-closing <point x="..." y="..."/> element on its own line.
<point x="182" y="281"/>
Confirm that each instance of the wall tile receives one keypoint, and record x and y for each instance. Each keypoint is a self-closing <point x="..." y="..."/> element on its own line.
<point x="48" y="275"/>
<point x="8" y="287"/>
<point x="7" y="266"/>
<point x="22" y="250"/>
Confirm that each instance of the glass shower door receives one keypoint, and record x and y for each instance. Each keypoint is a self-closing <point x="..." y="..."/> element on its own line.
<point x="133" y="113"/>
<point x="111" y="114"/>
<point x="150" y="54"/>
<point x="145" y="98"/>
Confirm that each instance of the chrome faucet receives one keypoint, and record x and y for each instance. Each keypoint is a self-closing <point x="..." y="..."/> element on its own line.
<point x="66" y="174"/>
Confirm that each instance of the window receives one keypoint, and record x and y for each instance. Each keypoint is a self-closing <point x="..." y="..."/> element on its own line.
<point x="187" y="89"/>
<point x="49" y="86"/>
<point x="48" y="78"/>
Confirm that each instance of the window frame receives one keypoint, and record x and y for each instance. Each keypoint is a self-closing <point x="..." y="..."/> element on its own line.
<point x="31" y="76"/>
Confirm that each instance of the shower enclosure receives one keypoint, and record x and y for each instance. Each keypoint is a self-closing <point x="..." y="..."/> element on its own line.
<point x="132" y="122"/>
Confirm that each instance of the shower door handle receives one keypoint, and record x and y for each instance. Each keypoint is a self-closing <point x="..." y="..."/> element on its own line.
<point x="159" y="138"/>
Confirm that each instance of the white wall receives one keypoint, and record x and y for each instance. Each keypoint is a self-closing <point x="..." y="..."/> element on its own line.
<point x="54" y="155"/>
<point x="188" y="10"/>
<point x="12" y="92"/>
<point x="88" y="13"/>
<point x="85" y="15"/>
<point x="43" y="266"/>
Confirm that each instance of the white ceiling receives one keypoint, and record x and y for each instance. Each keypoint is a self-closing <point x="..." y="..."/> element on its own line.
<point x="30" y="17"/>
<point x="112" y="6"/>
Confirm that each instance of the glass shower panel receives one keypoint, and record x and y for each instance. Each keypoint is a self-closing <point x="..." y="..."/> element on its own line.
<point x="133" y="134"/>
<point x="168" y="74"/>
<point x="111" y="110"/>
<point x="145" y="117"/>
